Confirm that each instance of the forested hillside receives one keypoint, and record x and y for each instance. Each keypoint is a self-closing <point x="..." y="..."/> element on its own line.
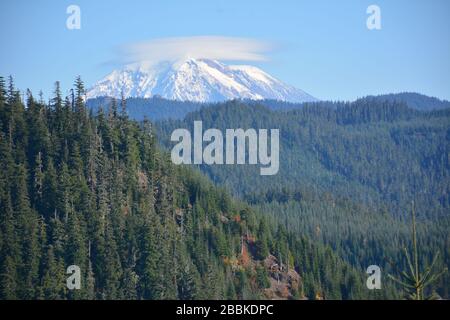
<point x="154" y="108"/>
<point x="157" y="108"/>
<point x="349" y="173"/>
<point x="97" y="192"/>
<point x="379" y="153"/>
<point x="413" y="100"/>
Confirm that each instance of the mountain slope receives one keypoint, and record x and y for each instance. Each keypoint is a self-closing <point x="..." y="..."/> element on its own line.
<point x="356" y="150"/>
<point x="413" y="100"/>
<point x="154" y="108"/>
<point x="348" y="174"/>
<point x="97" y="192"/>
<point x="198" y="80"/>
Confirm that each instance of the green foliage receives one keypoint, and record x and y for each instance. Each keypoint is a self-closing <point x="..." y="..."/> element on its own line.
<point x="412" y="280"/>
<point x="354" y="150"/>
<point x="348" y="172"/>
<point x="97" y="192"/>
<point x="262" y="277"/>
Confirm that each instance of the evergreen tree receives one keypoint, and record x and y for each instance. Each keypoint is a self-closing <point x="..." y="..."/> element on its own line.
<point x="414" y="281"/>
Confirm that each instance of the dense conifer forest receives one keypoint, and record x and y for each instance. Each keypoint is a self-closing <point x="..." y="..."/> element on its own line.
<point x="95" y="190"/>
<point x="349" y="173"/>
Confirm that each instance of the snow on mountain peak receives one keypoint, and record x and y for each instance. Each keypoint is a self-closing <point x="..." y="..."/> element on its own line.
<point x="199" y="80"/>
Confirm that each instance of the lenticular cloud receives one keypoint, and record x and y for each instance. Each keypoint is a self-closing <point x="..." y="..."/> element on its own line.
<point x="199" y="47"/>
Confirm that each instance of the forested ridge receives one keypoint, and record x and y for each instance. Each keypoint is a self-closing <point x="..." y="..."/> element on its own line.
<point x="96" y="191"/>
<point x="157" y="108"/>
<point x="378" y="153"/>
<point x="349" y="173"/>
<point x="154" y="108"/>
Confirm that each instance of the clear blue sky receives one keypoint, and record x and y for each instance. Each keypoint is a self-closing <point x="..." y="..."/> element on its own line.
<point x="322" y="47"/>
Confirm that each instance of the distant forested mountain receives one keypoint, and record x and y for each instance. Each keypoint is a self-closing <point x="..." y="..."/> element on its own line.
<point x="413" y="100"/>
<point x="157" y="108"/>
<point x="349" y="173"/>
<point x="96" y="191"/>
<point x="378" y="153"/>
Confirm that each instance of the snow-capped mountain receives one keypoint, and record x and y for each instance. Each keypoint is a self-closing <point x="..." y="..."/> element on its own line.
<point x="199" y="80"/>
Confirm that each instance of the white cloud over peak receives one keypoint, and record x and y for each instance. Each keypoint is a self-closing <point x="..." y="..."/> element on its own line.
<point x="197" y="47"/>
